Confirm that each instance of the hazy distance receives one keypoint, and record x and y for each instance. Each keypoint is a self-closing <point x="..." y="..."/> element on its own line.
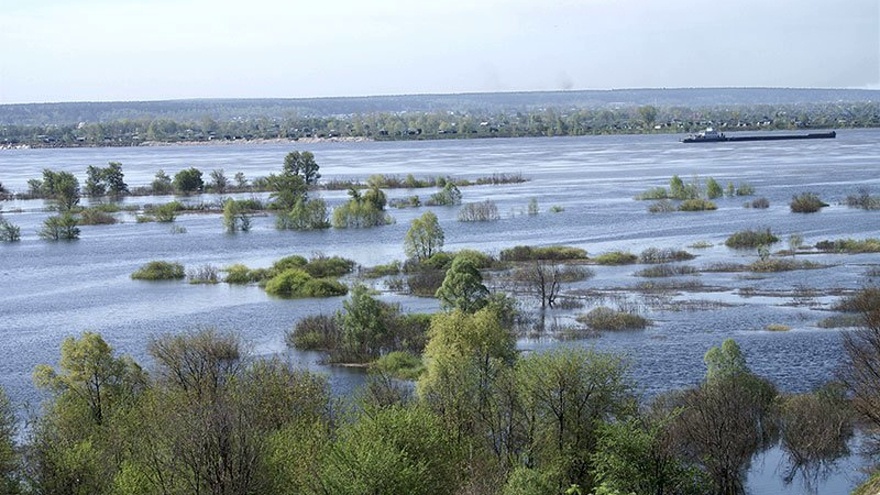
<point x="109" y="50"/>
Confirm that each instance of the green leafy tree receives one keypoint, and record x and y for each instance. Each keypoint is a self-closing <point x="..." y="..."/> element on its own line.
<point x="219" y="182"/>
<point x="188" y="181"/>
<point x="566" y="394"/>
<point x="235" y="216"/>
<point x="363" y="326"/>
<point x="62" y="227"/>
<point x="95" y="186"/>
<point x="306" y="214"/>
<point x="424" y="237"/>
<point x="728" y="419"/>
<point x="115" y="179"/>
<point x="304" y="165"/>
<point x="463" y="288"/>
<point x="61" y="187"/>
<point x="9" y="462"/>
<point x="162" y="183"/>
<point x="713" y="189"/>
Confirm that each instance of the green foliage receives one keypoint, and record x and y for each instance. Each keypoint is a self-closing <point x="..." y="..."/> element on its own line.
<point x="159" y="270"/>
<point x="745" y="189"/>
<point x="545" y="253"/>
<point x="400" y="364"/>
<point x="679" y="190"/>
<point x="239" y="274"/>
<point x="235" y="216"/>
<point x="664" y="255"/>
<point x="568" y="393"/>
<point x="9" y="232"/>
<point x="448" y="196"/>
<point x="713" y="189"/>
<point x="287" y="262"/>
<point x="604" y="318"/>
<point x="62" y="188"/>
<point x="484" y="211"/>
<point x="62" y="227"/>
<point x="315" y="333"/>
<point x="463" y="288"/>
<point x="396" y="450"/>
<point x="725" y="361"/>
<point x="302" y="165"/>
<point x="296" y="282"/>
<point x="306" y="214"/>
<point x="697" y="204"/>
<point x="654" y="194"/>
<point x="637" y="456"/>
<point x="9" y="463"/>
<point x="806" y="203"/>
<point x="424" y="237"/>
<point x="851" y="246"/>
<point x="108" y="181"/>
<point x="162" y="183"/>
<point x="360" y="211"/>
<point x="96" y="216"/>
<point x="328" y="266"/>
<point x="751" y="239"/>
<point x="364" y="327"/>
<point x="165" y="213"/>
<point x="388" y="269"/>
<point x="616" y="258"/>
<point x="188" y="181"/>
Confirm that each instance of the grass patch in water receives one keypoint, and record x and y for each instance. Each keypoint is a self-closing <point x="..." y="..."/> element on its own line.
<point x="666" y="270"/>
<point x="616" y="258"/>
<point x="776" y="327"/>
<point x="159" y="270"/>
<point x="605" y="318"/>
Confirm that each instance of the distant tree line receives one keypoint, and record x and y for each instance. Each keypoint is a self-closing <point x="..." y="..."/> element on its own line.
<point x="437" y="124"/>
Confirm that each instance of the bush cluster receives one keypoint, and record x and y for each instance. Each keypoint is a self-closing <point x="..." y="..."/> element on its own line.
<point x="543" y="253"/>
<point x="159" y="270"/>
<point x="605" y="318"/>
<point x="750" y="239"/>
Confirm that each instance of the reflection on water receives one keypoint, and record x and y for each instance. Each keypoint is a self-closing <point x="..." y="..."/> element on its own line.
<point x="53" y="290"/>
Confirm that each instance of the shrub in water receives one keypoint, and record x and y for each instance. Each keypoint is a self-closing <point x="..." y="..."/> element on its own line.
<point x="159" y="270"/>
<point x="806" y="203"/>
<point x="604" y="318"/>
<point x="616" y="258"/>
<point x="697" y="204"/>
<point x="750" y="239"/>
<point x="667" y="255"/>
<point x="288" y="283"/>
<point x="548" y="253"/>
<point x="484" y="211"/>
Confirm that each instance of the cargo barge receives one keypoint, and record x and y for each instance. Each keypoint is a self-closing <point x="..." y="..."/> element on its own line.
<point x="712" y="136"/>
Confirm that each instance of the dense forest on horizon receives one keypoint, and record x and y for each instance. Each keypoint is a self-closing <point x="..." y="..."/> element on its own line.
<point x="514" y="114"/>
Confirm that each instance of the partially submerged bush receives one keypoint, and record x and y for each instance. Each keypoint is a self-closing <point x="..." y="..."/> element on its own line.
<point x="239" y="274"/>
<point x="385" y="270"/>
<point x="751" y="239"/>
<point x="546" y="253"/>
<point x="400" y="364"/>
<point x="665" y="270"/>
<point x="806" y="203"/>
<point x="605" y="318"/>
<point x="329" y="266"/>
<point x="205" y="274"/>
<point x="315" y="333"/>
<point x="863" y="200"/>
<point x="484" y="211"/>
<point x="662" y="206"/>
<point x="96" y="216"/>
<point x="697" y="204"/>
<point x="759" y="203"/>
<point x="851" y="246"/>
<point x="664" y="255"/>
<point x="616" y="258"/>
<point x="770" y="265"/>
<point x="296" y="282"/>
<point x="159" y="270"/>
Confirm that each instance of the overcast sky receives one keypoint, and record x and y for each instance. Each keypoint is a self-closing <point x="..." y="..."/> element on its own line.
<point x="90" y="50"/>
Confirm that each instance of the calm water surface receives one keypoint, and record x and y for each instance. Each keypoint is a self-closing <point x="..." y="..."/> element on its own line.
<point x="49" y="291"/>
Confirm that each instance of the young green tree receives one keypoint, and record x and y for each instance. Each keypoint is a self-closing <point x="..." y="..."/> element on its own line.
<point x="463" y="288"/>
<point x="566" y="394"/>
<point x="727" y="419"/>
<point x="9" y="462"/>
<point x="188" y="181"/>
<point x="162" y="183"/>
<point x="62" y="227"/>
<point x="235" y="217"/>
<point x="424" y="237"/>
<point x="62" y="188"/>
<point x="304" y="165"/>
<point x="115" y="180"/>
<point x="95" y="186"/>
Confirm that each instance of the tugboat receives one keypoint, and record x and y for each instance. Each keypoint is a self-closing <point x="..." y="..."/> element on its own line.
<point x="710" y="135"/>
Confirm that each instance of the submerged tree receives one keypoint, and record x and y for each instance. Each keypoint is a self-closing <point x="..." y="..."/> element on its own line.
<point x="424" y="237"/>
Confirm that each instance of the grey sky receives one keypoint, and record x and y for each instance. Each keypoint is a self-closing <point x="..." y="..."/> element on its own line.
<point x="77" y="50"/>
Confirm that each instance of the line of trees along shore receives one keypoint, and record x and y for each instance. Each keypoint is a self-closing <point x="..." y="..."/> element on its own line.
<point x="483" y="418"/>
<point x="442" y="124"/>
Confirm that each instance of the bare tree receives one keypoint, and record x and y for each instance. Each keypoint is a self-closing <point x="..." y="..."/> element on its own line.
<point x="544" y="280"/>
